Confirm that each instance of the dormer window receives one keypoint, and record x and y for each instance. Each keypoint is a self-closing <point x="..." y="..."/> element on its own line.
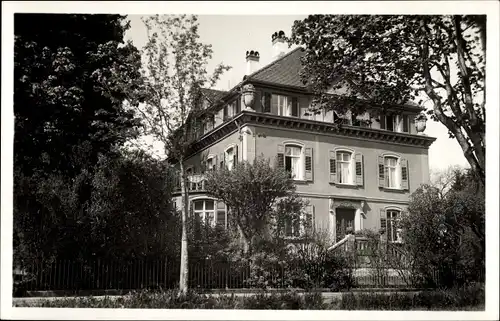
<point x="285" y="105"/>
<point x="395" y="123"/>
<point x="231" y="110"/>
<point x="208" y="125"/>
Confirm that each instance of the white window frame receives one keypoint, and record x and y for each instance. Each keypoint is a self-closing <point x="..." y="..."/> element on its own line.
<point x="210" y="157"/>
<point x="393" y="216"/>
<point x="284" y="105"/>
<point x="203" y="212"/>
<point x="301" y="157"/>
<point x="397" y="123"/>
<point x="397" y="169"/>
<point x="352" y="167"/>
<point x="226" y="163"/>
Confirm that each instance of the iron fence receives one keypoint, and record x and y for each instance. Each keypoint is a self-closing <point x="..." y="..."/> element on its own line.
<point x="202" y="274"/>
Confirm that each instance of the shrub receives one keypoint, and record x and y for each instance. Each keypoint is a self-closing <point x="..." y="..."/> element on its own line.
<point x="455" y="298"/>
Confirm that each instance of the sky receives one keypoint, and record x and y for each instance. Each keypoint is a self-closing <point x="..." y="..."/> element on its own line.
<point x="232" y="35"/>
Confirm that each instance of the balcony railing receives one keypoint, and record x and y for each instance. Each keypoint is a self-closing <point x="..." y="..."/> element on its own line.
<point x="196" y="183"/>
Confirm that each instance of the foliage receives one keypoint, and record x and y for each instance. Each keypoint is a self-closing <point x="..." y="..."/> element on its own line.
<point x="108" y="225"/>
<point x="446" y="232"/>
<point x="305" y="263"/>
<point x="254" y="192"/>
<point x="465" y="298"/>
<point x="172" y="77"/>
<point x="457" y="298"/>
<point x="394" y="59"/>
<point x="193" y="300"/>
<point x="57" y="103"/>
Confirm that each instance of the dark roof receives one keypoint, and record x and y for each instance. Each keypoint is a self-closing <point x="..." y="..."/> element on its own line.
<point x="213" y="94"/>
<point x="283" y="71"/>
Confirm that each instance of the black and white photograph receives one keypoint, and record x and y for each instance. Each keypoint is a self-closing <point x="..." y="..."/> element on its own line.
<point x="233" y="160"/>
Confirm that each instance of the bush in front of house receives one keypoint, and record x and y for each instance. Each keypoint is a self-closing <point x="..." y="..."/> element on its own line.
<point x="171" y="300"/>
<point x="465" y="297"/>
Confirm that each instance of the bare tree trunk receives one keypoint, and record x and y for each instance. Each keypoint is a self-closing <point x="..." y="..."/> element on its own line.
<point x="183" y="286"/>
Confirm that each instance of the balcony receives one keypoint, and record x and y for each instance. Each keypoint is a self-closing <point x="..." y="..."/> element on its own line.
<point x="196" y="183"/>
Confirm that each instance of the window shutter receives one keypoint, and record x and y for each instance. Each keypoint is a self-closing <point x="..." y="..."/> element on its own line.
<point x="405" y="124"/>
<point x="235" y="155"/>
<point x="308" y="164"/>
<point x="333" y="167"/>
<point x="221" y="214"/>
<point x="214" y="162"/>
<point x="381" y="171"/>
<point x="383" y="220"/>
<point x="225" y="113"/>
<point x="274" y="104"/>
<point x="221" y="160"/>
<point x="281" y="156"/>
<point x="295" y="106"/>
<point x="404" y="174"/>
<point x="359" y="169"/>
<point x="382" y="121"/>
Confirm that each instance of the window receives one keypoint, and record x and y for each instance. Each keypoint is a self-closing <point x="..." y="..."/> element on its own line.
<point x="293" y="161"/>
<point x="344" y="168"/>
<point x="296" y="160"/>
<point x="285" y="105"/>
<point x="208" y="124"/>
<point x="390" y="122"/>
<point x="395" y="123"/>
<point x="210" y="164"/>
<point x="205" y="211"/>
<point x="230" y="158"/>
<point x="210" y="212"/>
<point x="301" y="224"/>
<point x="393" y="232"/>
<point x="391" y="175"/>
<point x="393" y="172"/>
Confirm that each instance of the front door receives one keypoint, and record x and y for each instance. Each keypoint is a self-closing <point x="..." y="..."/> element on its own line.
<point x="344" y="220"/>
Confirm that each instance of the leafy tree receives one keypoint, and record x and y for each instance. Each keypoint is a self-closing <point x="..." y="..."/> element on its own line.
<point x="132" y="211"/>
<point x="256" y="194"/>
<point x="63" y="122"/>
<point x="129" y="216"/>
<point x="394" y="59"/>
<point x="172" y="77"/>
<point x="445" y="232"/>
<point x="58" y="105"/>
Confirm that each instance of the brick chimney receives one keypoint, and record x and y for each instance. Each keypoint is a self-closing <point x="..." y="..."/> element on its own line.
<point x="252" y="61"/>
<point x="279" y="44"/>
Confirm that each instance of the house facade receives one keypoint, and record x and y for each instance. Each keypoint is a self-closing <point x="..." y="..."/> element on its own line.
<point x="355" y="175"/>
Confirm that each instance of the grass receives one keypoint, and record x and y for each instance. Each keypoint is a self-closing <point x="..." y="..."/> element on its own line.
<point x="466" y="298"/>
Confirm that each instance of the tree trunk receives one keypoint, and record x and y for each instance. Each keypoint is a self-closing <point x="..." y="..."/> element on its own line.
<point x="183" y="285"/>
